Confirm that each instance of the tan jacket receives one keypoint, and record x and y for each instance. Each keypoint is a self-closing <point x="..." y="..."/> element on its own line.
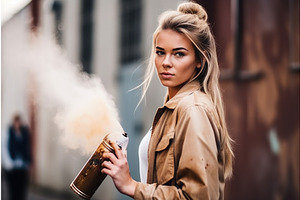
<point x="185" y="159"/>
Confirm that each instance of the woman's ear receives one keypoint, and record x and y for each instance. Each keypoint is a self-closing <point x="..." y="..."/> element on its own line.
<point x="198" y="65"/>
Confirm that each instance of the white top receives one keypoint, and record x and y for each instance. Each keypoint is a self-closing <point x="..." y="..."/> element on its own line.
<point x="143" y="156"/>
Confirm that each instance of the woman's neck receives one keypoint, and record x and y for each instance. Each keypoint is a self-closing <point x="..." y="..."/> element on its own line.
<point x="171" y="93"/>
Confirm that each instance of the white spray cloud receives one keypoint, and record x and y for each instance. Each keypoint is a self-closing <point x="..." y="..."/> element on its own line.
<point x="86" y="112"/>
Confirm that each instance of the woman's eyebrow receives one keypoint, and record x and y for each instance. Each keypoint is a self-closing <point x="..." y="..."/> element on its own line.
<point x="175" y="49"/>
<point x="180" y="48"/>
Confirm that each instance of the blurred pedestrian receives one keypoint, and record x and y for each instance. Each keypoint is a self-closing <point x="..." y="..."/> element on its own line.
<point x="19" y="153"/>
<point x="187" y="154"/>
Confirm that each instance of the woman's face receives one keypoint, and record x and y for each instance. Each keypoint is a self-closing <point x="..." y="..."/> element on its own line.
<point x="175" y="60"/>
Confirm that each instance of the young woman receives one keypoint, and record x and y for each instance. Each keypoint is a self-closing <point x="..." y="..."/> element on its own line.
<point x="189" y="154"/>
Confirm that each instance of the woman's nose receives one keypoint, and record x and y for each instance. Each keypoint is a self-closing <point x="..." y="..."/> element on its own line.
<point x="167" y="62"/>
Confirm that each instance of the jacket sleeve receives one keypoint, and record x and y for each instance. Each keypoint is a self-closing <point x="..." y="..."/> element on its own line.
<point x="196" y="170"/>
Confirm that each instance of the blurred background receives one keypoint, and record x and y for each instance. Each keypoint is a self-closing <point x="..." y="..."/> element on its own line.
<point x="258" y="49"/>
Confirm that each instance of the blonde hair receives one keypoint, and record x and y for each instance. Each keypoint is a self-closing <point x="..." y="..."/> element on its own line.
<point x="190" y="19"/>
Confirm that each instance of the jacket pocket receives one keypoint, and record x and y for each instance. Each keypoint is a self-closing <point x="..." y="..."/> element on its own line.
<point x="165" y="159"/>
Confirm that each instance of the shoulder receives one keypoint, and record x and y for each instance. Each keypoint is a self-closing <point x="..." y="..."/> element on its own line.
<point x="197" y="99"/>
<point x="195" y="120"/>
<point x="197" y="104"/>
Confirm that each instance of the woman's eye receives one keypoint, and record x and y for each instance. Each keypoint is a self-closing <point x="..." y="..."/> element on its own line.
<point x="179" y="54"/>
<point x="160" y="53"/>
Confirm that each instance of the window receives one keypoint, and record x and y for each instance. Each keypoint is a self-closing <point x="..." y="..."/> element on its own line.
<point x="130" y="30"/>
<point x="86" y="34"/>
<point x="57" y="8"/>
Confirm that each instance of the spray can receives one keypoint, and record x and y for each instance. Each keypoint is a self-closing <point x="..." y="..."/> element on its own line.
<point x="90" y="177"/>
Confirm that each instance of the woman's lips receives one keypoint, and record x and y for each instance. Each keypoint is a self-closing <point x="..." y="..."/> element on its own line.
<point x="166" y="75"/>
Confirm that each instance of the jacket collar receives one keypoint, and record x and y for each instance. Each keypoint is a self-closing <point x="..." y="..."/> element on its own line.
<point x="187" y="89"/>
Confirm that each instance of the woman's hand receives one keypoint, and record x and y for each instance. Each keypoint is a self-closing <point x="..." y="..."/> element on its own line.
<point x="116" y="166"/>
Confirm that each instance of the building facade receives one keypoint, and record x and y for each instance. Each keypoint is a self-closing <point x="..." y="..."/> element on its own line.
<point x="258" y="50"/>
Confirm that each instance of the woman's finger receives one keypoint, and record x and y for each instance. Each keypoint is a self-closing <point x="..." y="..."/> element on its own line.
<point x="125" y="153"/>
<point x="106" y="171"/>
<point x="117" y="149"/>
<point x="108" y="165"/>
<point x="110" y="156"/>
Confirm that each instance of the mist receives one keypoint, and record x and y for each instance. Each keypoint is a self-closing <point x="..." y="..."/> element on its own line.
<point x="85" y="111"/>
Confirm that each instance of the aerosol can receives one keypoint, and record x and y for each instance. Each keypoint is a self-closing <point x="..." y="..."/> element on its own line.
<point x="90" y="177"/>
